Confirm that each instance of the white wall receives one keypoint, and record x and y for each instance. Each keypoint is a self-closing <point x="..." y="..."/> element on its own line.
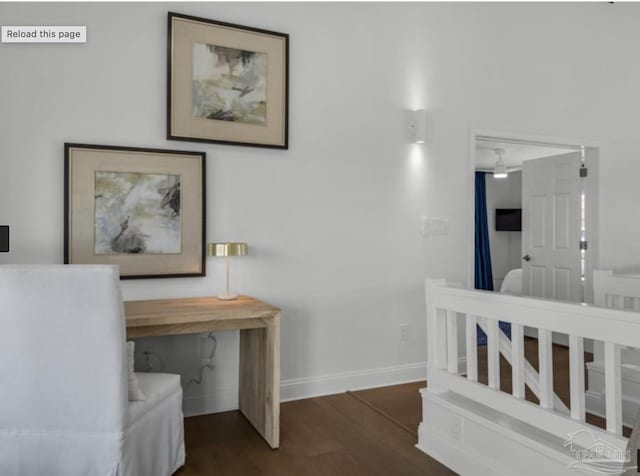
<point x="505" y="245"/>
<point x="332" y="223"/>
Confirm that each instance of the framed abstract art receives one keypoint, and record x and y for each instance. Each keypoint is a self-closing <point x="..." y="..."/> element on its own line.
<point x="141" y="209"/>
<point x="226" y="83"/>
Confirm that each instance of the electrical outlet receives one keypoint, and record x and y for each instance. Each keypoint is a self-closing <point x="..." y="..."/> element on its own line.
<point x="404" y="332"/>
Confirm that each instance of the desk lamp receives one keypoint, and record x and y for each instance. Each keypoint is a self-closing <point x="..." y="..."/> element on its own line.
<point x="227" y="250"/>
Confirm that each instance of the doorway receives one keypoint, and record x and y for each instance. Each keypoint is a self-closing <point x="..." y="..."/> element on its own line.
<point x="552" y="184"/>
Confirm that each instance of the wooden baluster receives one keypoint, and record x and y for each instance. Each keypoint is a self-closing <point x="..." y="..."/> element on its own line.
<point x="612" y="385"/>
<point x="472" y="348"/>
<point x="576" y="377"/>
<point x="545" y="360"/>
<point x="493" y="353"/>
<point x="517" y="360"/>
<point x="452" y="342"/>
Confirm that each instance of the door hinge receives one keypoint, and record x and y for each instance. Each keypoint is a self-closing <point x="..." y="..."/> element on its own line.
<point x="583" y="245"/>
<point x="584" y="171"/>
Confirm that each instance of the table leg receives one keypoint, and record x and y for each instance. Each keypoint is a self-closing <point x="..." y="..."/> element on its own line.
<point x="260" y="379"/>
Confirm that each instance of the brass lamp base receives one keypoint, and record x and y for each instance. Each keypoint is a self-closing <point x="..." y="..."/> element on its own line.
<point x="227" y="297"/>
<point x="227" y="250"/>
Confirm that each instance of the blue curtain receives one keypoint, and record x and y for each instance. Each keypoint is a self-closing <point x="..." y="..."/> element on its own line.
<point x="483" y="273"/>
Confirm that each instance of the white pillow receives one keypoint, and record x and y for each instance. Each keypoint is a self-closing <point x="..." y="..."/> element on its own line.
<point x="135" y="393"/>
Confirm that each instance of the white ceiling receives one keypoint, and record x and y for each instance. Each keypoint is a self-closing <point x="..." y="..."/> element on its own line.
<point x="514" y="154"/>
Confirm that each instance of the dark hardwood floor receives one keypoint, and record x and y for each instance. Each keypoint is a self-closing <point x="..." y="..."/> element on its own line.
<point x="400" y="403"/>
<point x="368" y="432"/>
<point x="332" y="435"/>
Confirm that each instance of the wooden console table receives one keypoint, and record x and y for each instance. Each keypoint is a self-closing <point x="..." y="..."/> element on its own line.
<point x="259" y="325"/>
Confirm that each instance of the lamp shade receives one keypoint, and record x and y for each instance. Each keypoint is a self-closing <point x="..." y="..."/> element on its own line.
<point x="227" y="249"/>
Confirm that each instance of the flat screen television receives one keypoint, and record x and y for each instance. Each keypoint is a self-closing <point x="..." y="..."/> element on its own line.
<point x="508" y="219"/>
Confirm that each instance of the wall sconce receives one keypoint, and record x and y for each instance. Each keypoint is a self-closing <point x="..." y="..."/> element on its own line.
<point x="418" y="126"/>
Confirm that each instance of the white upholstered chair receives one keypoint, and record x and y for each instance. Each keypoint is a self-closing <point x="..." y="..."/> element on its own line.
<point x="64" y="407"/>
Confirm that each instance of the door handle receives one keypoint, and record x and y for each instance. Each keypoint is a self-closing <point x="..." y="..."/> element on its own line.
<point x="526" y="258"/>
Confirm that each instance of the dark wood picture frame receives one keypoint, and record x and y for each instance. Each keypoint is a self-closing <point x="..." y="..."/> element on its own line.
<point x="185" y="32"/>
<point x="82" y="162"/>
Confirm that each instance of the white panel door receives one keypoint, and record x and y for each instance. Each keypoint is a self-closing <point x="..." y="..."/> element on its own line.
<point x="551" y="206"/>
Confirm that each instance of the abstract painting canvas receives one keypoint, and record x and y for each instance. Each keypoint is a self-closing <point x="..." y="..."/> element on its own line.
<point x="141" y="209"/>
<point x="137" y="213"/>
<point x="227" y="83"/>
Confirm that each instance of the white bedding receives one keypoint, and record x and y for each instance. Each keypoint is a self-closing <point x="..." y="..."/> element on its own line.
<point x="512" y="283"/>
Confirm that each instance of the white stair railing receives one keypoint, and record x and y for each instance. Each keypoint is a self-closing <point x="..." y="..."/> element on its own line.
<point x="526" y="372"/>
<point x="617" y="291"/>
<point x="614" y="327"/>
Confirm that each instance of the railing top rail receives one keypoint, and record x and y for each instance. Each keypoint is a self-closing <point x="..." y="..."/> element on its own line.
<point x="611" y="325"/>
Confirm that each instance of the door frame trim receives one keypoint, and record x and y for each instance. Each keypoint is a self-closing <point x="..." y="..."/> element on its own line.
<point x="591" y="187"/>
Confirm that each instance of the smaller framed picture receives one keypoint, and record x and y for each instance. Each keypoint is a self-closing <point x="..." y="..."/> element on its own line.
<point x="226" y="83"/>
<point x="141" y="209"/>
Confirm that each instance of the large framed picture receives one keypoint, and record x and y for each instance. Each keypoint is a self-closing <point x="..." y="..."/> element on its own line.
<point x="141" y="209"/>
<point x="226" y="83"/>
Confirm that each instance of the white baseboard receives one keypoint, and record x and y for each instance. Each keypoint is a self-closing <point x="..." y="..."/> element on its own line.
<point x="223" y="400"/>
<point x="295" y="389"/>
<point x="328" y="384"/>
